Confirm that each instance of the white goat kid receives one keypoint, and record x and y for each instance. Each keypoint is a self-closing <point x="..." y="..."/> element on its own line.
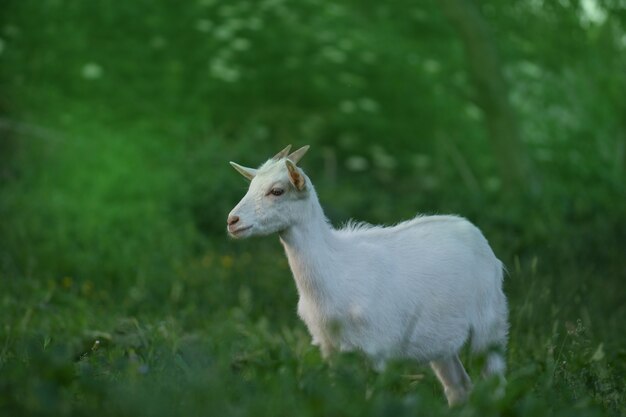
<point x="417" y="290"/>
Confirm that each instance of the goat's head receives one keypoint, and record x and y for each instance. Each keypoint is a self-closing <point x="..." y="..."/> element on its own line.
<point x="276" y="198"/>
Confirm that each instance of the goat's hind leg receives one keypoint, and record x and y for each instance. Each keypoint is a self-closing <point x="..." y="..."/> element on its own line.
<point x="495" y="365"/>
<point x="456" y="383"/>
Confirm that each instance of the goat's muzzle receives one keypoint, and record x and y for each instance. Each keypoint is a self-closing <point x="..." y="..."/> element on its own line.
<point x="232" y="220"/>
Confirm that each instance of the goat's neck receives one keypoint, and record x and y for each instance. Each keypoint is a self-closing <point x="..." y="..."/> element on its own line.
<point x="310" y="247"/>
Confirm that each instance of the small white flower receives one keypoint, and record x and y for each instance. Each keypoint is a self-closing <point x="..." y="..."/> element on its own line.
<point x="592" y="12"/>
<point x="543" y="154"/>
<point x="473" y="112"/>
<point x="254" y="23"/>
<point x="493" y="184"/>
<point x="240" y="44"/>
<point x="346" y="44"/>
<point x="333" y="54"/>
<point x="347" y="106"/>
<point x="227" y="10"/>
<point x="11" y="31"/>
<point x="382" y="159"/>
<point x="421" y="161"/>
<point x="224" y="32"/>
<point x="598" y="355"/>
<point x="334" y="9"/>
<point x="431" y="66"/>
<point x="326" y="36"/>
<point x="357" y="163"/>
<point x="292" y="62"/>
<point x="207" y="3"/>
<point x="221" y="70"/>
<point x="368" y="57"/>
<point x="158" y="42"/>
<point x="530" y="69"/>
<point x="92" y="71"/>
<point x="368" y="105"/>
<point x="204" y="25"/>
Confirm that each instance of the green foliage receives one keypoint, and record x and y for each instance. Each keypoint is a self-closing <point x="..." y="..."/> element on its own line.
<point x="119" y="291"/>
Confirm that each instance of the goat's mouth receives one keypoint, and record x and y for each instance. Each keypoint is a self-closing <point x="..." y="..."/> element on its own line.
<point x="237" y="232"/>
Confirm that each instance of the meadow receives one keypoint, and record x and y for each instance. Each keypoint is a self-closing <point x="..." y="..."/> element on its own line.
<point x="120" y="292"/>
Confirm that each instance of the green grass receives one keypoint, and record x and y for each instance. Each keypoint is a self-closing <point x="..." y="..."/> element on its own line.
<point x="120" y="293"/>
<point x="224" y="339"/>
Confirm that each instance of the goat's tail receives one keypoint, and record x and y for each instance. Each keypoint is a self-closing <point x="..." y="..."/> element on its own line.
<point x="490" y="334"/>
<point x="495" y="364"/>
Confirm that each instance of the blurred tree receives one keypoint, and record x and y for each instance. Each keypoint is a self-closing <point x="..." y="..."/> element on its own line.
<point x="491" y="92"/>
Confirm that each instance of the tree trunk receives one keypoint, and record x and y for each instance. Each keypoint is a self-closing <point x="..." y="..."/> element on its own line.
<point x="491" y="93"/>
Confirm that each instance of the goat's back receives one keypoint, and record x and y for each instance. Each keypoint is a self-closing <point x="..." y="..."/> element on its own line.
<point x="425" y="285"/>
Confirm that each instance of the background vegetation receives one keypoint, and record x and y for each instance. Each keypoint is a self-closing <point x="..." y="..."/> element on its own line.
<point x="120" y="293"/>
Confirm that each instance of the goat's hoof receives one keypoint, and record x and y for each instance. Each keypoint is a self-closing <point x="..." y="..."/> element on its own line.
<point x="456" y="397"/>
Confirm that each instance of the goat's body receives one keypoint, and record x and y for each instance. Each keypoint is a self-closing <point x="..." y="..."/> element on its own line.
<point x="415" y="290"/>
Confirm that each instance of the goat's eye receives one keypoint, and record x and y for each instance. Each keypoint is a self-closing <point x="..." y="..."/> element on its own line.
<point x="277" y="191"/>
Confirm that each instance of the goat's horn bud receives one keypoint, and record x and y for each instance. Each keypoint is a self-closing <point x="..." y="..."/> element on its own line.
<point x="296" y="156"/>
<point x="282" y="154"/>
<point x="249" y="173"/>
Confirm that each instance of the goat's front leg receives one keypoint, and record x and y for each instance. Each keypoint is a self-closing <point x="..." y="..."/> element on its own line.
<point x="456" y="383"/>
<point x="326" y="349"/>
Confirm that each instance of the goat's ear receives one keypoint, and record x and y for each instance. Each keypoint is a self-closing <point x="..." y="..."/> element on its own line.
<point x="249" y="173"/>
<point x="295" y="176"/>
<point x="296" y="156"/>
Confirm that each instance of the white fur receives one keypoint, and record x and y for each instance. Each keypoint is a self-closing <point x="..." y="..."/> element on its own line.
<point x="419" y="289"/>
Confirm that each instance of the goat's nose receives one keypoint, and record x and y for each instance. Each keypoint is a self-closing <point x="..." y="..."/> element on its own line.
<point x="232" y="220"/>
